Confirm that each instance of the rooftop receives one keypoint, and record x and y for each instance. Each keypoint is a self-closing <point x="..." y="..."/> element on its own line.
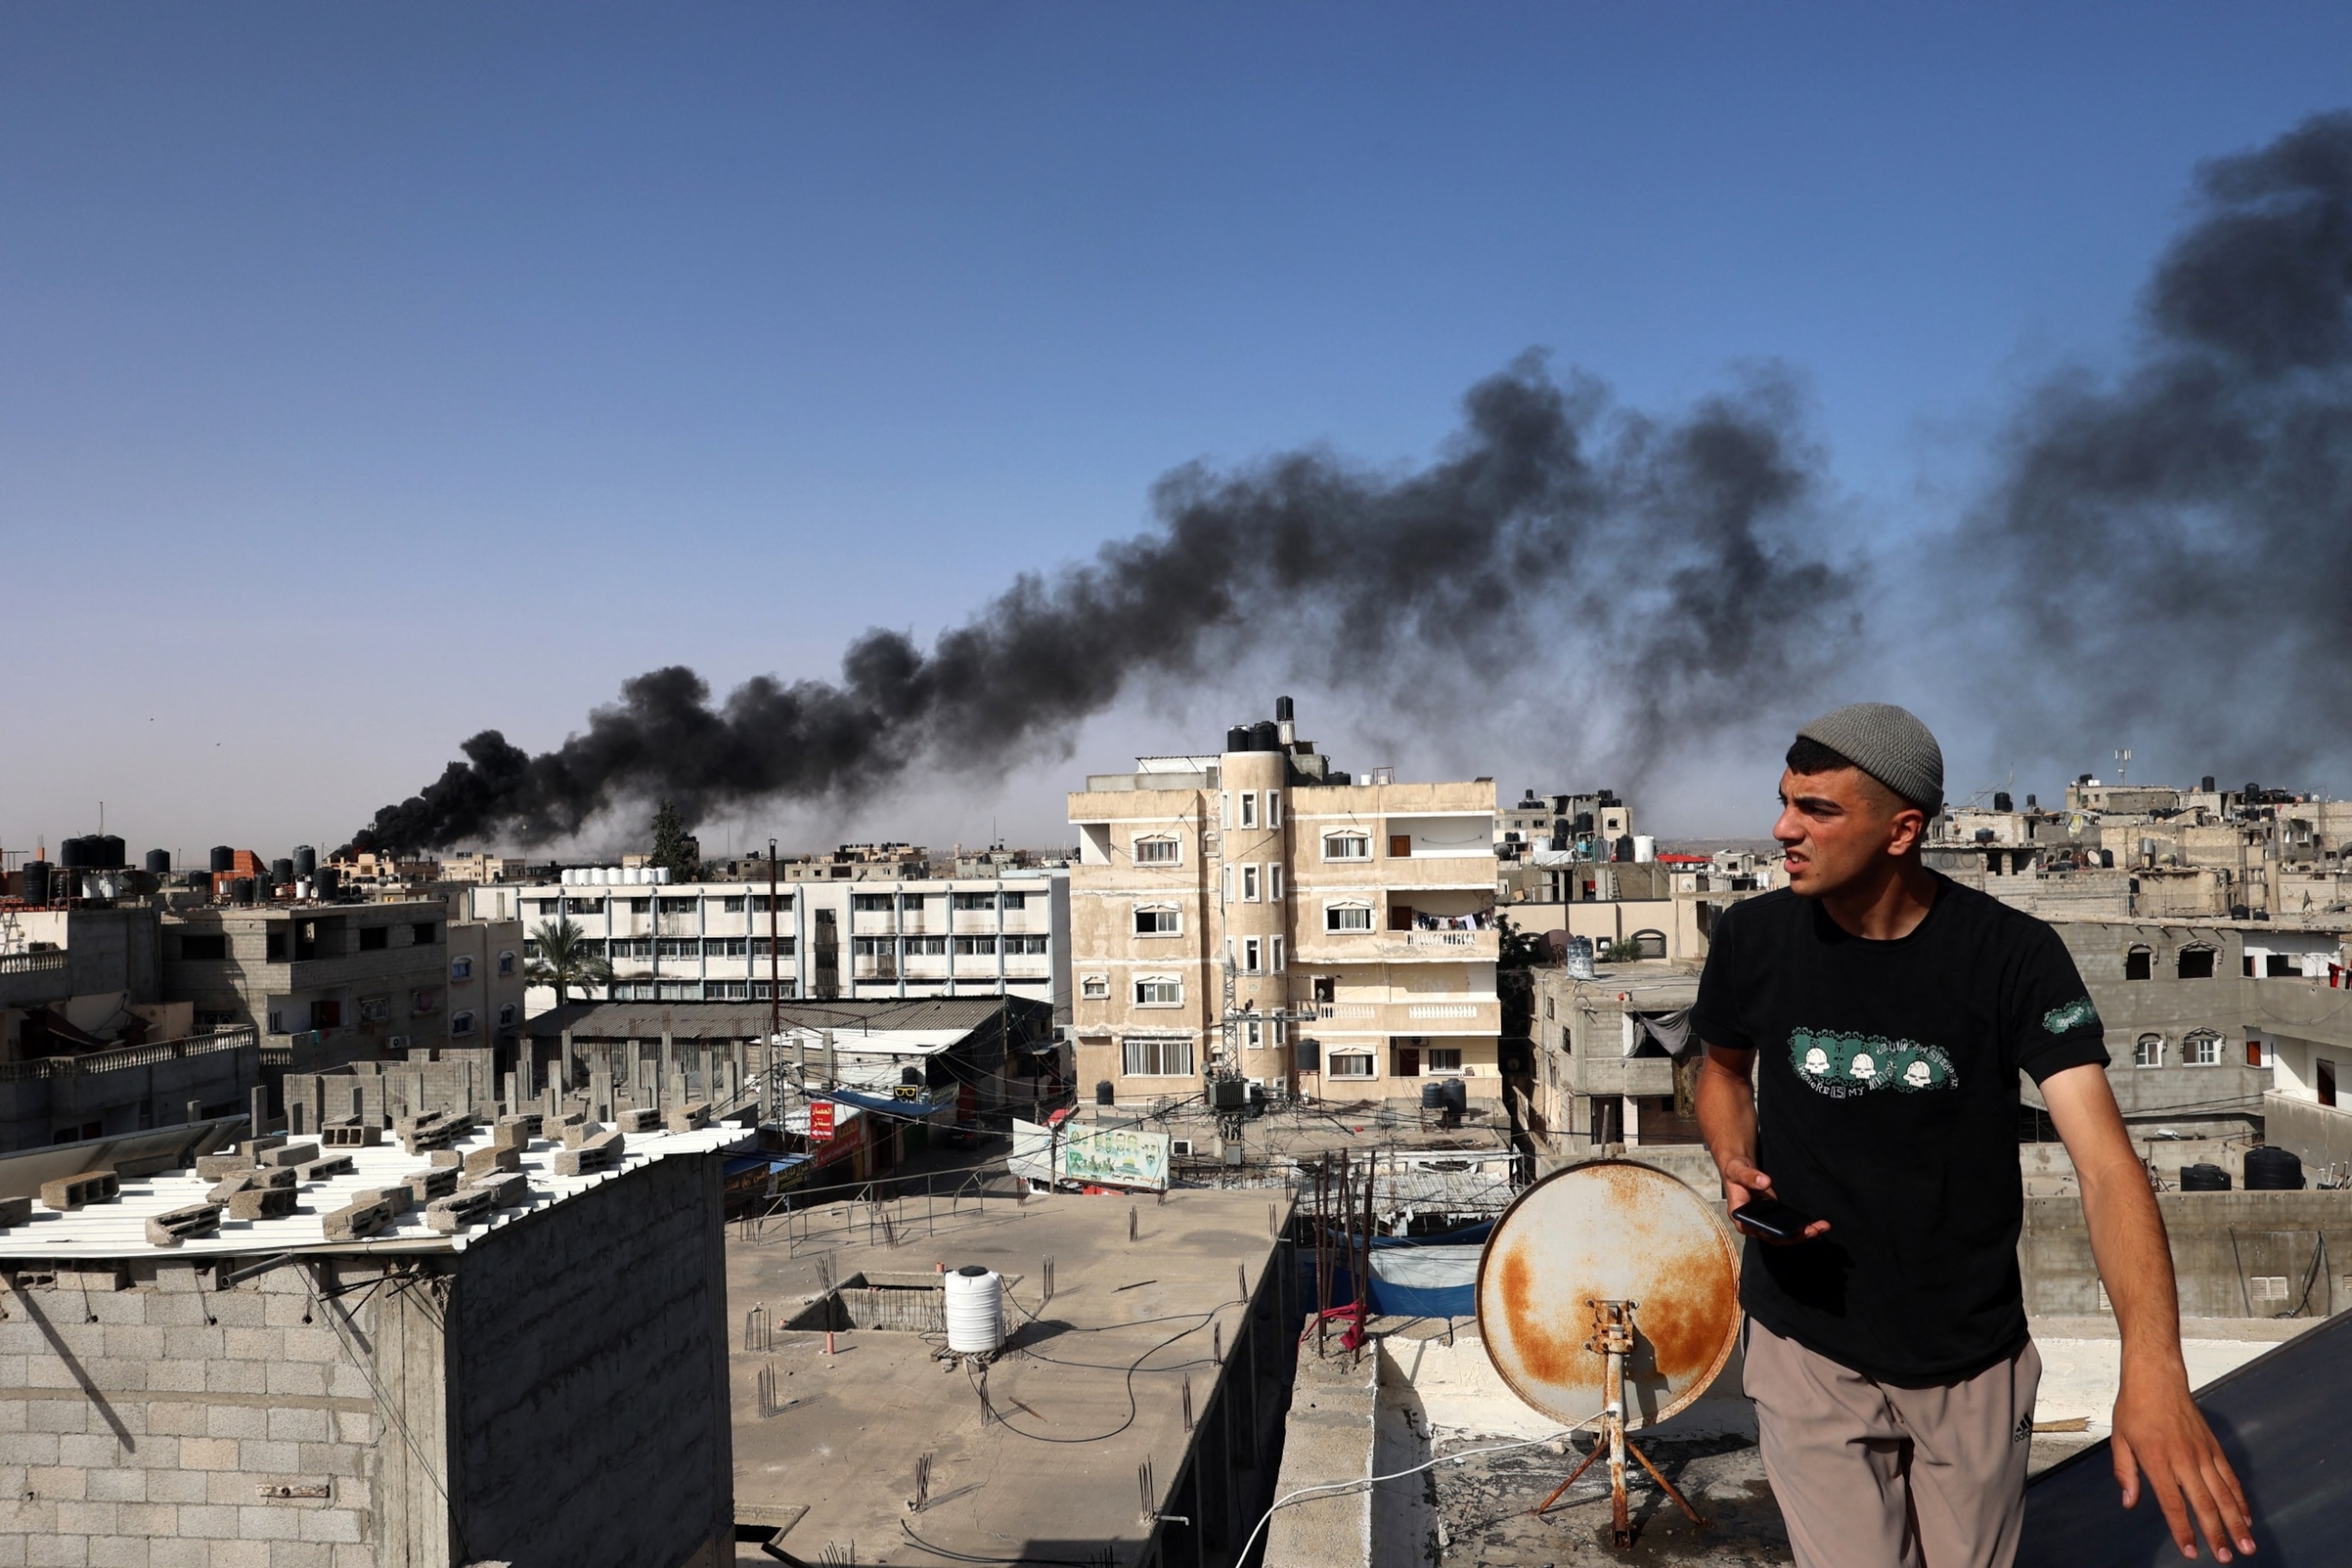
<point x="750" y="1020"/>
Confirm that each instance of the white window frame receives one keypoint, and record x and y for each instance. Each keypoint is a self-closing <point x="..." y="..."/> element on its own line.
<point x="1170" y="913"/>
<point x="1249" y="809"/>
<point x="2148" y="1051"/>
<point x="1274" y="882"/>
<point x="1175" y="846"/>
<point x="1331" y="920"/>
<point x="2201" y="1049"/>
<point x="1155" y="984"/>
<point x="1155" y="1056"/>
<point x="1273" y="808"/>
<point x="1093" y="988"/>
<point x="1249" y="884"/>
<point x="1253" y="955"/>
<point x="1333" y="1057"/>
<point x="1344" y="838"/>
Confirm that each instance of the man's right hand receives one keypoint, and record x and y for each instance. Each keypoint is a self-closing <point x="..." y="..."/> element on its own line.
<point x="1741" y="1180"/>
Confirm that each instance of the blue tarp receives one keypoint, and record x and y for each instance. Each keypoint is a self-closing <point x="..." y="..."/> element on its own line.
<point x="883" y="1105"/>
<point x="1413" y="1276"/>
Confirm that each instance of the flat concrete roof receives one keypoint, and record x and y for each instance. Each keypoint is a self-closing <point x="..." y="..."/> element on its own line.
<point x="846" y="1018"/>
<point x="1090" y="1384"/>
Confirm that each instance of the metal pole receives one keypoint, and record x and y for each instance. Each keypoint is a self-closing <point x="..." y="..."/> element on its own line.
<point x="775" y="962"/>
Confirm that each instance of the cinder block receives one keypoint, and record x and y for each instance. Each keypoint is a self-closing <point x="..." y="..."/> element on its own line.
<point x="689" y="1118"/>
<point x="528" y="1123"/>
<point x="578" y="1130"/>
<point x="213" y="1167"/>
<point x="118" y="1551"/>
<point x="355" y="1220"/>
<point x="254" y="1148"/>
<point x="451" y="1158"/>
<point x="638" y="1118"/>
<point x="15" y="1212"/>
<point x="261" y="1203"/>
<point x="496" y="1158"/>
<point x="424" y="1186"/>
<point x="400" y="1197"/>
<point x="68" y="1194"/>
<point x="437" y="1129"/>
<point x="208" y="1453"/>
<point x="601" y="1152"/>
<point x="509" y="1188"/>
<point x="330" y="1166"/>
<point x="253" y="1180"/>
<point x="289" y="1154"/>
<point x="172" y="1228"/>
<point x="351" y="1135"/>
<point x="469" y="1206"/>
<point x="57" y="1483"/>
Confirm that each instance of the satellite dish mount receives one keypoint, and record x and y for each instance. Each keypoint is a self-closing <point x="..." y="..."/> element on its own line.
<point x="1612" y="1340"/>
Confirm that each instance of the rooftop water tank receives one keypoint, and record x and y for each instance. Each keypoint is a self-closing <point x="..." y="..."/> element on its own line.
<point x="224" y="859"/>
<point x="159" y="862"/>
<point x="1238" y="739"/>
<point x="281" y="870"/>
<point x="975" y="1310"/>
<point x="2270" y="1169"/>
<point x="106" y="850"/>
<point x="73" y="855"/>
<point x="2204" y="1179"/>
<point x="240" y="890"/>
<point x="326" y="883"/>
<point x="1579" y="958"/>
<point x="35" y="883"/>
<point x="1266" y="736"/>
<point x="306" y="861"/>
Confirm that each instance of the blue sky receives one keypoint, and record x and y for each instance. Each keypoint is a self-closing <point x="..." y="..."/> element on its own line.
<point x="372" y="375"/>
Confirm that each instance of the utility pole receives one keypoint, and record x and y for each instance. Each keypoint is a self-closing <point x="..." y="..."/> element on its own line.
<point x="1228" y="1083"/>
<point x="775" y="971"/>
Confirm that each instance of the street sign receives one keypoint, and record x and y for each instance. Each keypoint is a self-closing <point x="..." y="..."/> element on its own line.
<point x="821" y="1122"/>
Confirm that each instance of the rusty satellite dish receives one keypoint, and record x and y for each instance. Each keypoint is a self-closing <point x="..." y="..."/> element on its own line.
<point x="1617" y="1232"/>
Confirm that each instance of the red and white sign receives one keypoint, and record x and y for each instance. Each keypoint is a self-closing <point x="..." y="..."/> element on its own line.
<point x="821" y="1122"/>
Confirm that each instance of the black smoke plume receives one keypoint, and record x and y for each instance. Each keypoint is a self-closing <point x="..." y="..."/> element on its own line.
<point x="2173" y="547"/>
<point x="1678" y="553"/>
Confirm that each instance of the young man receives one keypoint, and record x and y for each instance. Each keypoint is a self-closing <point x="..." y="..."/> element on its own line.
<point x="1885" y="1013"/>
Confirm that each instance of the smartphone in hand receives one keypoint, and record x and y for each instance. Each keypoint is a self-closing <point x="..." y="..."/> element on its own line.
<point x="1770" y="1218"/>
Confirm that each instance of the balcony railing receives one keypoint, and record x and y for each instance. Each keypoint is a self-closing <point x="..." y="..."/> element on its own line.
<point x="128" y="1056"/>
<point x="31" y="962"/>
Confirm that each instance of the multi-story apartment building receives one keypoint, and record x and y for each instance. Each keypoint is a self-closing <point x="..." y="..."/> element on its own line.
<point x="366" y="978"/>
<point x="867" y="938"/>
<point x="1214" y="892"/>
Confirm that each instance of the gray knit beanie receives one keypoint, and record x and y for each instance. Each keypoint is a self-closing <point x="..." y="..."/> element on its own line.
<point x="1890" y="744"/>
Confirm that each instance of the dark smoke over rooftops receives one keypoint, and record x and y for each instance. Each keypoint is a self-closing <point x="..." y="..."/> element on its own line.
<point x="2176" y="545"/>
<point x="2164" y="557"/>
<point x="1644" y="533"/>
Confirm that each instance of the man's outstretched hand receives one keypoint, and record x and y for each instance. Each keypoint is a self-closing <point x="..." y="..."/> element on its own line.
<point x="2158" y="1430"/>
<point x="1741" y="1180"/>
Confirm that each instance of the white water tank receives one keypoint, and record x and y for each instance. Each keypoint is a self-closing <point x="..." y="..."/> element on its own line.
<point x="1645" y="849"/>
<point x="975" y="1310"/>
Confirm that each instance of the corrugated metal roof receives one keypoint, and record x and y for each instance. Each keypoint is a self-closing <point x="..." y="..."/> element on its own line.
<point x="118" y="1229"/>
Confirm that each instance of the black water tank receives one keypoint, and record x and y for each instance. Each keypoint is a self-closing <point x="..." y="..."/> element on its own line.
<point x="1105" y="1094"/>
<point x="201" y="882"/>
<point x="2206" y="783"/>
<point x="1282" y="710"/>
<point x="159" y="862"/>
<point x="108" y="851"/>
<point x="36" y="881"/>
<point x="1457" y="1095"/>
<point x="2270" y="1169"/>
<point x="2204" y="1179"/>
<point x="306" y="861"/>
<point x="73" y="855"/>
<point x="1432" y="1095"/>
<point x="326" y="883"/>
<point x="1265" y="736"/>
<point x="240" y="890"/>
<point x="281" y="870"/>
<point x="2001" y="801"/>
<point x="224" y="859"/>
<point x="1238" y="739"/>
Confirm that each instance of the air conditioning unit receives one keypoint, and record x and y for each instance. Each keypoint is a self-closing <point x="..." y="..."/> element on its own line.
<point x="1179" y="1148"/>
<point x="397" y="1043"/>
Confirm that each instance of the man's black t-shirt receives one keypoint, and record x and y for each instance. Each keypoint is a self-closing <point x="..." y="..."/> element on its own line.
<point x="1886" y="1104"/>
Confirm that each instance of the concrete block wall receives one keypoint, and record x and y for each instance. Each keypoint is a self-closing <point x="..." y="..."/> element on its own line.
<point x="588" y="1377"/>
<point x="141" y="1415"/>
<point x="2220" y="1243"/>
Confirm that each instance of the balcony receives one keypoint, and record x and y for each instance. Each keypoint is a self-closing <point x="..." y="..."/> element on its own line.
<point x="31" y="962"/>
<point x="1398" y="947"/>
<point x="1465" y="1015"/>
<point x="123" y="1057"/>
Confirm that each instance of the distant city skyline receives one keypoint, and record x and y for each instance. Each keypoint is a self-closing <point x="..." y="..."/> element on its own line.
<point x="374" y="378"/>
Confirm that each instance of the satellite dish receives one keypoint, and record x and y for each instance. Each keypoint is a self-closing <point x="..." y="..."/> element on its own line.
<point x="1609" y="1231"/>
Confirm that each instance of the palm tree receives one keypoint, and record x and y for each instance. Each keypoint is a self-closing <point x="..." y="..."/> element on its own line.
<point x="563" y="959"/>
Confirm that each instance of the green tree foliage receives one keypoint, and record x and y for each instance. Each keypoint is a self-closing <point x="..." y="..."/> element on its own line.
<point x="674" y="848"/>
<point x="562" y="959"/>
<point x="1518" y="948"/>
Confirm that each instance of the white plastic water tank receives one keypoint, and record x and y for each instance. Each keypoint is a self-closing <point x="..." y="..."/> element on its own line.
<point x="975" y="1310"/>
<point x="1645" y="849"/>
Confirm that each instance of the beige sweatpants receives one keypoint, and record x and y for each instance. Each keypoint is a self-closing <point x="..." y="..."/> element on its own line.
<point x="1872" y="1475"/>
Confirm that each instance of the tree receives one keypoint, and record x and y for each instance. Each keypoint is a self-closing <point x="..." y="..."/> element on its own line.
<point x="564" y="959"/>
<point x="1518" y="948"/>
<point x="674" y="849"/>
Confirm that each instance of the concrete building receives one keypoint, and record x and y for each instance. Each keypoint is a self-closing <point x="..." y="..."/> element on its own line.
<point x="1614" y="1060"/>
<point x="529" y="1369"/>
<point x="1343" y="931"/>
<point x="472" y="866"/>
<point x="359" y="979"/>
<point x="851" y="938"/>
<point x="486" y="990"/>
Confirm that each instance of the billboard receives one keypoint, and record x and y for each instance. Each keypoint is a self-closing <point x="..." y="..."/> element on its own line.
<point x="1090" y="1156"/>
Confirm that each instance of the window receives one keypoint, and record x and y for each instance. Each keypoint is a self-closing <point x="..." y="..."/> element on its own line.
<point x="1273" y="808"/>
<point x="926" y="947"/>
<point x="725" y="991"/>
<point x="1274" y="883"/>
<point x="507" y="963"/>
<point x="870" y="903"/>
<point x="326" y="1015"/>
<point x="1158" y="991"/>
<point x="678" y="947"/>
<point x="1277" y="955"/>
<point x="975" y="900"/>
<point x="1253" y="955"/>
<point x="425" y="933"/>
<point x="374" y="1009"/>
<point x="2202" y="1048"/>
<point x="1249" y="884"/>
<point x="1650" y="944"/>
<point x="633" y="947"/>
<point x="1400" y="846"/>
<point x="2138" y="963"/>
<point x="2150" y="1052"/>
<point x="273" y="945"/>
<point x="1019" y="946"/>
<point x="374" y="938"/>
<point x="1549" y="1010"/>
<point x="1326" y="989"/>
<point x="1157" y="1056"/>
<point x="641" y="906"/>
<point x="1095" y="988"/>
<point x="550" y="907"/>
<point x="726" y="946"/>
<point x="461" y="968"/>
<point x="733" y="905"/>
<point x="2259" y="1053"/>
<point x="203" y="948"/>
<point x="2195" y="963"/>
<point x="1346" y="917"/>
<point x="1156" y="852"/>
<point x="1346" y="847"/>
<point x="1157" y="920"/>
<point x="1016" y="900"/>
<point x="675" y="906"/>
<point x="507" y="1019"/>
<point x="2278" y="963"/>
<point x="782" y="945"/>
<point x="424" y="999"/>
<point x="782" y="902"/>
<point x="461" y="1023"/>
<point x="277" y="1023"/>
<point x="1225" y="809"/>
<point x="578" y="909"/>
<point x="976" y="947"/>
<point x="1249" y="807"/>
<point x="871" y="946"/>
<point x="1444" y="1059"/>
<point x="1350" y="1064"/>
